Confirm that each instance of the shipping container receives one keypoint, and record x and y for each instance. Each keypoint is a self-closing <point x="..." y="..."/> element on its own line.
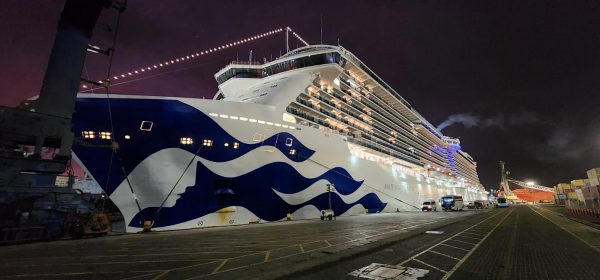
<point x="579" y="194"/>
<point x="594" y="176"/>
<point x="572" y="196"/>
<point x="558" y="190"/>
<point x="564" y="186"/>
<point x="595" y="192"/>
<point x="577" y="183"/>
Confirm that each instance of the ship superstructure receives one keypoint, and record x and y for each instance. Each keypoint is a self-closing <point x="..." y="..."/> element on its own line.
<point x="345" y="97"/>
<point x="269" y="142"/>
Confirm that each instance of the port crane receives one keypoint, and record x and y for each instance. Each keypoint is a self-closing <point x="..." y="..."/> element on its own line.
<point x="505" y="191"/>
<point x="45" y="123"/>
<point x="530" y="185"/>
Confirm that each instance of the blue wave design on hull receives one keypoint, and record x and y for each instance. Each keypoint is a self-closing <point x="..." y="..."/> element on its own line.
<point x="172" y="119"/>
<point x="254" y="191"/>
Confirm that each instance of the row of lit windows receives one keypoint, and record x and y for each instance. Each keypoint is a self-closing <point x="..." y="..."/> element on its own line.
<point x="205" y="142"/>
<point x="236" y="145"/>
<point x="394" y="133"/>
<point x="88" y="134"/>
<point x="244" y="119"/>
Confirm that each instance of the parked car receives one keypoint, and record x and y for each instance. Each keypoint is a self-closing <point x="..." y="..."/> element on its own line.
<point x="501" y="202"/>
<point x="429" y="206"/>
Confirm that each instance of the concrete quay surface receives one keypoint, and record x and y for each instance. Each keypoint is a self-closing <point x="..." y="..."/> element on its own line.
<point x="259" y="251"/>
<point x="521" y="242"/>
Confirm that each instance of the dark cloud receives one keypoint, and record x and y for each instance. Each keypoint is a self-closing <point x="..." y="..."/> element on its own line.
<point x="571" y="144"/>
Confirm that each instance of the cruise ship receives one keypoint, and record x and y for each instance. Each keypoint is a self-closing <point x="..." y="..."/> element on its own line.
<point x="314" y="129"/>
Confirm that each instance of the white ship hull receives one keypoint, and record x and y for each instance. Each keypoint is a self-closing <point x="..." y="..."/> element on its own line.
<point x="258" y="182"/>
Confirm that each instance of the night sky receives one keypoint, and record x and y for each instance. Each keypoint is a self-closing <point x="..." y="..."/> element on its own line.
<point x="515" y="80"/>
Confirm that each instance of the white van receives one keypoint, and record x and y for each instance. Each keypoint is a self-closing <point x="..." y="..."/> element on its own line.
<point x="429" y="205"/>
<point x="452" y="203"/>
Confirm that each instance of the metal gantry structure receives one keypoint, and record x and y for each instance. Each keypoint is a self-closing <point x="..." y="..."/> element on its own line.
<point x="530" y="185"/>
<point x="504" y="189"/>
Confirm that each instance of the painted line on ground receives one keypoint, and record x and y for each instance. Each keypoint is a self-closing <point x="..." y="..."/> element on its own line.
<point x="442" y="254"/>
<point x="465" y="242"/>
<point x="466" y="250"/>
<point x="219" y="267"/>
<point x="414" y="257"/>
<point x="426" y="264"/>
<point x="475" y="248"/>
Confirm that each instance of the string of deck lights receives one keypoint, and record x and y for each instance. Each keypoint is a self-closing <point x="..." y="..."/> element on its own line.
<point x="177" y="60"/>
<point x="297" y="36"/>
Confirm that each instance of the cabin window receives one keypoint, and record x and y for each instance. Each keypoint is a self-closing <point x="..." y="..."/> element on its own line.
<point x="146" y="126"/>
<point x="186" y="141"/>
<point x="207" y="142"/>
<point x="88" y="134"/>
<point x="105" y="135"/>
<point x="289" y="142"/>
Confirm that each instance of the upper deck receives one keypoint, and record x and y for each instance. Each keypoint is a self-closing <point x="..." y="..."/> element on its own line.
<point x="319" y="55"/>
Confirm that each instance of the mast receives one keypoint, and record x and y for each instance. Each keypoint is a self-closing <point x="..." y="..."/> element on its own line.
<point x="287" y="39"/>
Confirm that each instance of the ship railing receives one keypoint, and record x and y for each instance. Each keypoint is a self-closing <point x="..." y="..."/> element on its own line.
<point x="241" y="62"/>
<point x="365" y="134"/>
